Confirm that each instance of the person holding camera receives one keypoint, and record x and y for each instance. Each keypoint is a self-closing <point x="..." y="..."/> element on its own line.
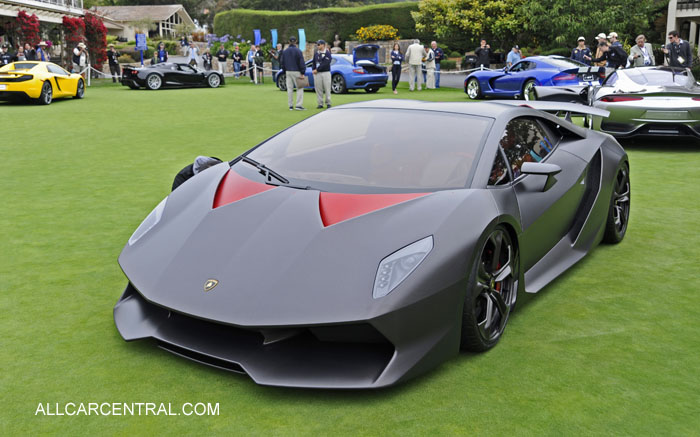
<point x="113" y="61"/>
<point x="483" y="54"/>
<point x="80" y="57"/>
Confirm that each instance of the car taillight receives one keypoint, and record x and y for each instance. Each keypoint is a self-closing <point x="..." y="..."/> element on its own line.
<point x="696" y="98"/>
<point x="359" y="71"/>
<point x="564" y="76"/>
<point x="614" y="99"/>
<point x="134" y="72"/>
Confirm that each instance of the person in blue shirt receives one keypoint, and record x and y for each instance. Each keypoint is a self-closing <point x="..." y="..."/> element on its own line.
<point x="514" y="56"/>
<point x="396" y="60"/>
<point x="162" y="54"/>
<point x="581" y="53"/>
<point x="439" y="56"/>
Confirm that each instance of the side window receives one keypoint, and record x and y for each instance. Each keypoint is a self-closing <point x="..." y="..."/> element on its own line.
<point x="55" y="69"/>
<point x="499" y="171"/>
<point x="530" y="66"/>
<point x="524" y="141"/>
<point x="520" y="66"/>
<point x="334" y="61"/>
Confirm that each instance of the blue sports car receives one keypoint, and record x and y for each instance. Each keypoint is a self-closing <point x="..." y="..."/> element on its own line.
<point x="519" y="81"/>
<point x="361" y="70"/>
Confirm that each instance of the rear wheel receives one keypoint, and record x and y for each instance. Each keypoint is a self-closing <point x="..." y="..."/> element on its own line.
<point x="529" y="90"/>
<point x="491" y="292"/>
<point x="80" y="91"/>
<point x="153" y="81"/>
<point x="371" y="89"/>
<point x="619" y="211"/>
<point x="46" y="96"/>
<point x="213" y="81"/>
<point x="474" y="89"/>
<point x="338" y="84"/>
<point x="282" y="82"/>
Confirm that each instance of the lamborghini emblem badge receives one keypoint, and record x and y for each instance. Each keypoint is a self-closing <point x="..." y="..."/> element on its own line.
<point x="210" y="284"/>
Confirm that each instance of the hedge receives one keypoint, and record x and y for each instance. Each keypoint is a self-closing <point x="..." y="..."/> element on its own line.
<point x="317" y="23"/>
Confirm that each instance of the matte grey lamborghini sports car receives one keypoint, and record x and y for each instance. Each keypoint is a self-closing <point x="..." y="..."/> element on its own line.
<point x="367" y="244"/>
<point x="645" y="101"/>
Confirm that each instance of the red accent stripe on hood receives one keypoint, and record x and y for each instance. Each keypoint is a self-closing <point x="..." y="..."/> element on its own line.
<point x="234" y="187"/>
<point x="338" y="207"/>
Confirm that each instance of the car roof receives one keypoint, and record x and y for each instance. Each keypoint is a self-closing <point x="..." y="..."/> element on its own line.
<point x="481" y="109"/>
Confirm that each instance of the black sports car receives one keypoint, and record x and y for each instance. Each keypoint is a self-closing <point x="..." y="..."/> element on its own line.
<point x="353" y="258"/>
<point x="157" y="76"/>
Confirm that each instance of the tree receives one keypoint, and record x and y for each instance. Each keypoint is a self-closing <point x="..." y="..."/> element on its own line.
<point x="469" y="19"/>
<point x="561" y="22"/>
<point x="144" y="25"/>
<point x="96" y="36"/>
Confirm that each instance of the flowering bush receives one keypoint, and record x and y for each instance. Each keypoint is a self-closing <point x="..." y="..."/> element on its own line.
<point x="28" y="28"/>
<point x="96" y="35"/>
<point x="377" y="32"/>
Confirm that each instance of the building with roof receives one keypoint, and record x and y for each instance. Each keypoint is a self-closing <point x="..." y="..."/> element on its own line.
<point x="684" y="16"/>
<point x="49" y="12"/>
<point x="164" y="17"/>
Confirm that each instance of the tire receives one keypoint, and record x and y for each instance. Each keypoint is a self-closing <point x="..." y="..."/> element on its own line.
<point x="80" y="90"/>
<point x="213" y="81"/>
<point x="371" y="90"/>
<point x="133" y="86"/>
<point x="474" y="89"/>
<point x="528" y="92"/>
<point x="338" y="85"/>
<point x="153" y="81"/>
<point x="282" y="82"/>
<point x="46" y="96"/>
<point x="492" y="291"/>
<point x="619" y="210"/>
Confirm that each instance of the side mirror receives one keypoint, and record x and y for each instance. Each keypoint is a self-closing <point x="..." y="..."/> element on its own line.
<point x="544" y="169"/>
<point x="505" y="69"/>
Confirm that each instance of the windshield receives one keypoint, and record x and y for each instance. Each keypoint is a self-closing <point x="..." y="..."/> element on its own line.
<point x="564" y="63"/>
<point x="659" y="76"/>
<point x="377" y="150"/>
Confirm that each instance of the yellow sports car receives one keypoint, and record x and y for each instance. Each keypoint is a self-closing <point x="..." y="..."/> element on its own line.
<point x="40" y="81"/>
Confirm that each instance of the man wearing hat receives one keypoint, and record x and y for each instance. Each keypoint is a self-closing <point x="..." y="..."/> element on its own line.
<point x="79" y="58"/>
<point x="293" y="65"/>
<point x="581" y="53"/>
<point x="5" y="55"/>
<point x="321" y="68"/>
<point x="514" y="56"/>
<point x="41" y="53"/>
<point x="598" y="52"/>
<point x="113" y="59"/>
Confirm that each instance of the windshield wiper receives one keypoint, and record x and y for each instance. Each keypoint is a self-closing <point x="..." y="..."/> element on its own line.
<point x="268" y="173"/>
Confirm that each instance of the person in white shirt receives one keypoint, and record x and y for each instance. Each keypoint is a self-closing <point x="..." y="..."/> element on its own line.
<point x="430" y="68"/>
<point x="641" y="54"/>
<point x="193" y="54"/>
<point x="414" y="57"/>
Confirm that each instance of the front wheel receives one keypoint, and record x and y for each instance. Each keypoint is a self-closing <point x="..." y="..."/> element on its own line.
<point x="619" y="211"/>
<point x="491" y="292"/>
<point x="80" y="91"/>
<point x="338" y="84"/>
<point x="213" y="81"/>
<point x="529" y="90"/>
<point x="474" y="89"/>
<point x="153" y="81"/>
<point x="282" y="82"/>
<point x="46" y="96"/>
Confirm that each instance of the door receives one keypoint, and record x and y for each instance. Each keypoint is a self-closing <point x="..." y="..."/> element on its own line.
<point x="546" y="216"/>
<point x="309" y="74"/>
<point x="512" y="80"/>
<point x="191" y="76"/>
<point x="62" y="84"/>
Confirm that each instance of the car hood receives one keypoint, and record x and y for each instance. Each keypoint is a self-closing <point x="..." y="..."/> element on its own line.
<point x="276" y="262"/>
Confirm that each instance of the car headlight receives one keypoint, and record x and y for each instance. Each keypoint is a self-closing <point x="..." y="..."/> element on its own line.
<point x="148" y="223"/>
<point x="396" y="267"/>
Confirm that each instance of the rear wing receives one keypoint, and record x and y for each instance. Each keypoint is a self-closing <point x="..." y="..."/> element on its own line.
<point x="559" y="108"/>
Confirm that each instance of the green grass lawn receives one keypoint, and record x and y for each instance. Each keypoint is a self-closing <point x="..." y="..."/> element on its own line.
<point x="611" y="347"/>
